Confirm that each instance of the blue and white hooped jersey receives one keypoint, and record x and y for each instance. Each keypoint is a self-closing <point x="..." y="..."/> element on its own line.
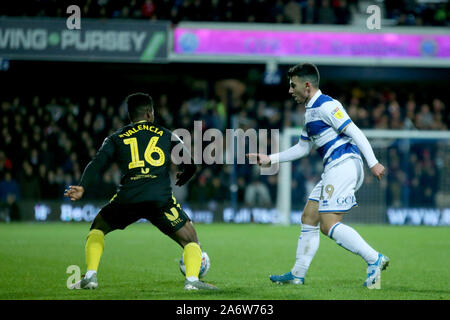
<point x="325" y="119"/>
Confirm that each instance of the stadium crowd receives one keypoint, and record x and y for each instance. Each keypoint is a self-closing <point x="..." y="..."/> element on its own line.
<point x="46" y="144"/>
<point x="401" y="12"/>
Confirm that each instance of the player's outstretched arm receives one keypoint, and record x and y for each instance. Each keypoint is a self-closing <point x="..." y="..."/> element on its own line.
<point x="188" y="171"/>
<point x="301" y="149"/>
<point x="74" y="192"/>
<point x="363" y="144"/>
<point x="94" y="168"/>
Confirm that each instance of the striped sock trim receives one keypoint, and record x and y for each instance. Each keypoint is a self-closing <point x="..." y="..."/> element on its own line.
<point x="309" y="228"/>
<point x="330" y="233"/>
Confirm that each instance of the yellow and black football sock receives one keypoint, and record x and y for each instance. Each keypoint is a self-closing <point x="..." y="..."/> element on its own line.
<point x="94" y="249"/>
<point x="192" y="260"/>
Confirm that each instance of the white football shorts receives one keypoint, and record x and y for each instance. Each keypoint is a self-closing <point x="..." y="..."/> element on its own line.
<point x="335" y="192"/>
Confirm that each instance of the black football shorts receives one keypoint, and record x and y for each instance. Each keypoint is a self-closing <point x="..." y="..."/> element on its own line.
<point x="167" y="216"/>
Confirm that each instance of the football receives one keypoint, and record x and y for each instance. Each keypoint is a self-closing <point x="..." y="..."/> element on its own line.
<point x="204" y="268"/>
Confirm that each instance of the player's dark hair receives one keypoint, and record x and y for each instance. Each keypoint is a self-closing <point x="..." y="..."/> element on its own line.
<point x="306" y="71"/>
<point x="138" y="104"/>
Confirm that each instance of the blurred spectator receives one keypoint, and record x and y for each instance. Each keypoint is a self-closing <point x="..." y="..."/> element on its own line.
<point x="429" y="180"/>
<point x="309" y="13"/>
<point x="342" y="12"/>
<point x="9" y="209"/>
<point x="200" y="191"/>
<point x="397" y="182"/>
<point x="424" y="119"/>
<point x="257" y="194"/>
<point x="325" y="14"/>
<point x="14" y="211"/>
<point x="292" y="12"/>
<point x="410" y="115"/>
<point x="9" y="186"/>
<point x="219" y="190"/>
<point x="148" y="9"/>
<point x="29" y="183"/>
<point x="60" y="182"/>
<point x="298" y="187"/>
<point x="5" y="163"/>
<point x="51" y="189"/>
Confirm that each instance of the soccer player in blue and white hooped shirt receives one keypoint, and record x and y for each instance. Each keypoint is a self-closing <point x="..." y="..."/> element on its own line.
<point x="339" y="142"/>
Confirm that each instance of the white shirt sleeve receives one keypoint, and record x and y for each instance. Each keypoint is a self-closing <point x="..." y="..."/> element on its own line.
<point x="301" y="149"/>
<point x="362" y="143"/>
<point x="304" y="135"/>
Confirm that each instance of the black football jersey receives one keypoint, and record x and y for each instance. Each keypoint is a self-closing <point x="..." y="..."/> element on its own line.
<point x="143" y="152"/>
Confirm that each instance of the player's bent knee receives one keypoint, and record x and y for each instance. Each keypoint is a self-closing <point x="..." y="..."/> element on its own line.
<point x="324" y="228"/>
<point x="310" y="214"/>
<point x="100" y="224"/>
<point x="310" y="220"/>
<point x="328" y="220"/>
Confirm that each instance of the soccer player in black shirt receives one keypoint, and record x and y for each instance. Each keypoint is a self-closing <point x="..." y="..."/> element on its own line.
<point x="142" y="150"/>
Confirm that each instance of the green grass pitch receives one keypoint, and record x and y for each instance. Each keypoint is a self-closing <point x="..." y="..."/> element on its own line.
<point x="142" y="263"/>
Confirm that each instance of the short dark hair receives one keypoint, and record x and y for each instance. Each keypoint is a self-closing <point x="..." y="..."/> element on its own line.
<point x="306" y="71"/>
<point x="138" y="104"/>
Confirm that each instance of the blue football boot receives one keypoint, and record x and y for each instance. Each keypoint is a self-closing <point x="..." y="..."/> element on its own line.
<point x="287" y="278"/>
<point x="373" y="280"/>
